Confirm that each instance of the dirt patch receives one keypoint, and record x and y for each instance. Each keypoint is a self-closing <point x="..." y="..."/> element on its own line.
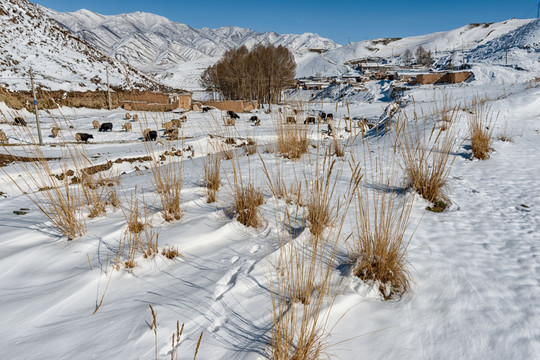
<point x="91" y="170"/>
<point x="6" y="159"/>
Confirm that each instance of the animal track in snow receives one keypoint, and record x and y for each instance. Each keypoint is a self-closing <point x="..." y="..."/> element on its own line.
<point x="226" y="283"/>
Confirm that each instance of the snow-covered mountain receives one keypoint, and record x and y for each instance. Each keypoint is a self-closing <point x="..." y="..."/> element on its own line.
<point x="175" y="52"/>
<point x="60" y="60"/>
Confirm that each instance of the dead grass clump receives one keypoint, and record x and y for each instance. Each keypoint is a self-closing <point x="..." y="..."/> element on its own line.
<point x="246" y="200"/>
<point x="319" y="205"/>
<point x="292" y="140"/>
<point x="171" y="252"/>
<point x="379" y="251"/>
<point x="337" y="149"/>
<point x="212" y="179"/>
<point x="426" y="157"/>
<point x="59" y="201"/>
<point x="481" y="124"/>
<point x="139" y="235"/>
<point x="167" y="174"/>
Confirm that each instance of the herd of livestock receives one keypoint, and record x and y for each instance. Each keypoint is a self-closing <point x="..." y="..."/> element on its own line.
<point x="171" y="128"/>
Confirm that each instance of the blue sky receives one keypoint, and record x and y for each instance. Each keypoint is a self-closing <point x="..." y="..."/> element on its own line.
<point x="340" y="20"/>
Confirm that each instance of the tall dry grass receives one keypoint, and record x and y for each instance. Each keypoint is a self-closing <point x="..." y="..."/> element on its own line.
<point x="426" y="155"/>
<point x="303" y="283"/>
<point x="481" y="125"/>
<point x="61" y="202"/>
<point x="212" y="178"/>
<point x="139" y="235"/>
<point x="292" y="139"/>
<point x="379" y="246"/>
<point x="320" y="210"/>
<point x="167" y="175"/>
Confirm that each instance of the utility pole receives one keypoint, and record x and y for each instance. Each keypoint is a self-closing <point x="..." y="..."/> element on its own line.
<point x="108" y="90"/>
<point x="36" y="107"/>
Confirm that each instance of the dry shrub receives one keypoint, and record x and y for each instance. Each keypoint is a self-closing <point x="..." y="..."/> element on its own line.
<point x="481" y="124"/>
<point x="292" y="140"/>
<point x="212" y="179"/>
<point x="426" y="157"/>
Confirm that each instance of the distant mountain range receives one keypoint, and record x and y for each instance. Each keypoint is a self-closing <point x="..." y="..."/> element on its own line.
<point x="72" y="50"/>
<point x="176" y="53"/>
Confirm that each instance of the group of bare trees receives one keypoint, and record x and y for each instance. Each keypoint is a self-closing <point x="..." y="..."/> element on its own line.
<point x="259" y="74"/>
<point x="423" y="56"/>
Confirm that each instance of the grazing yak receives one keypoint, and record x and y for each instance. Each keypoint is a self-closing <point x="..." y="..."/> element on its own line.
<point x="310" y="120"/>
<point x="206" y="109"/>
<point x="136" y="117"/>
<point x="128" y="116"/>
<point x="258" y="122"/>
<point x="230" y="122"/>
<point x="83" y="137"/>
<point x="291" y="120"/>
<point x="183" y="118"/>
<point x="232" y="114"/>
<point x="95" y="124"/>
<point x="127" y="126"/>
<point x="20" y="121"/>
<point x="176" y="123"/>
<point x="105" y="127"/>
<point x="329" y="116"/>
<point x="253" y="118"/>
<point x="149" y="135"/>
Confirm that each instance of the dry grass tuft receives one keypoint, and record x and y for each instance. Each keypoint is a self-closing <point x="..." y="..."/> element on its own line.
<point x="246" y="200"/>
<point x="319" y="204"/>
<point x="167" y="174"/>
<point x="61" y="202"/>
<point x="379" y="249"/>
<point x="481" y="124"/>
<point x="292" y="140"/>
<point x="426" y="157"/>
<point x="139" y="236"/>
<point x="212" y="179"/>
<point x="170" y="253"/>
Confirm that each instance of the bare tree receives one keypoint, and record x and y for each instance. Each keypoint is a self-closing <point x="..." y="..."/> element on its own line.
<point x="423" y="57"/>
<point x="407" y="57"/>
<point x="260" y="74"/>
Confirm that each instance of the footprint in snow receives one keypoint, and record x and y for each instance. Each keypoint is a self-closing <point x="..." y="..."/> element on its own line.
<point x="226" y="283"/>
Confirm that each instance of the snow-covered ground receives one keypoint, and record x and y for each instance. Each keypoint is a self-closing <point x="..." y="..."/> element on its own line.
<point x="475" y="268"/>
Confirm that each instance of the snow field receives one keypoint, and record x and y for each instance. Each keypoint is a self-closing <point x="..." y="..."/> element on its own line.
<point x="474" y="268"/>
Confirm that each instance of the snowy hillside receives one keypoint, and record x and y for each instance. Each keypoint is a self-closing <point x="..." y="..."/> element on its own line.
<point x="476" y="43"/>
<point x="31" y="39"/>
<point x="158" y="45"/>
